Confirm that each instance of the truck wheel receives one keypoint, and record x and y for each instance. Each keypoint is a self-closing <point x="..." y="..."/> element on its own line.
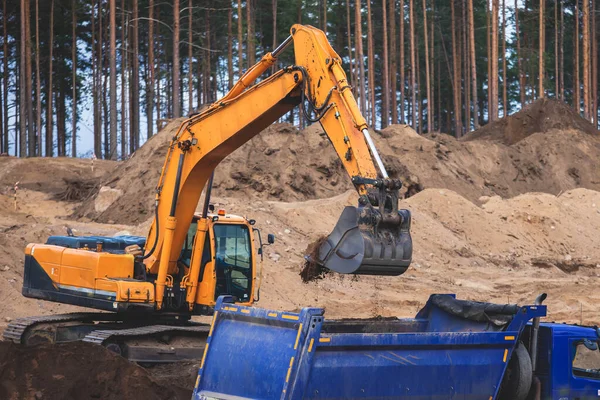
<point x="518" y="376"/>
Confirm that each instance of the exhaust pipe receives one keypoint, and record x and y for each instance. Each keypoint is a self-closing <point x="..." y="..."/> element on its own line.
<point x="534" y="334"/>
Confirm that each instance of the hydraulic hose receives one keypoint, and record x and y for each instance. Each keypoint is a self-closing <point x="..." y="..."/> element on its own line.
<point x="155" y="231"/>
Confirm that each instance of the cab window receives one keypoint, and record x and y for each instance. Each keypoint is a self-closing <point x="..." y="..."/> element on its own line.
<point x="186" y="251"/>
<point x="586" y="359"/>
<point x="233" y="260"/>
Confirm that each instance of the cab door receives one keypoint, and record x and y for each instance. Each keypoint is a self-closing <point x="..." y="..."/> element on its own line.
<point x="233" y="261"/>
<point x="585" y="368"/>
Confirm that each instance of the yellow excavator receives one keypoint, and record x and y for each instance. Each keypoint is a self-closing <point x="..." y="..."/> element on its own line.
<point x="153" y="285"/>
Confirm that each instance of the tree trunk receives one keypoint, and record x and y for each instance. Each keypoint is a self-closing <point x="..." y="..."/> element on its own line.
<point x="22" y="87"/>
<point x="113" y="82"/>
<point x="324" y="16"/>
<point x="562" y="51"/>
<point x="473" y="65"/>
<point x="28" y="84"/>
<point x="150" y="83"/>
<point x="466" y="68"/>
<point x="431" y="101"/>
<point x="488" y="45"/>
<point x="427" y="71"/>
<point x="385" y="92"/>
<point x="360" y="57"/>
<point x="402" y="66"/>
<point x="95" y="85"/>
<point x="413" y="64"/>
<point x="229" y="49"/>
<point x="6" y="78"/>
<point x="392" y="90"/>
<point x="505" y="105"/>
<point x="577" y="87"/>
<point x="274" y="9"/>
<point x="240" y="39"/>
<point x="74" y="78"/>
<point x="38" y="89"/>
<point x="250" y="48"/>
<point x="190" y="77"/>
<point x="586" y="59"/>
<point x="541" y="50"/>
<point x="494" y="60"/>
<point x="456" y="79"/>
<point x="594" y="90"/>
<point x="175" y="98"/>
<point x="556" y="70"/>
<point x="519" y="57"/>
<point x="124" y="79"/>
<point x="371" y="66"/>
<point x="350" y="59"/>
<point x="2" y="119"/>
<point x="134" y="127"/>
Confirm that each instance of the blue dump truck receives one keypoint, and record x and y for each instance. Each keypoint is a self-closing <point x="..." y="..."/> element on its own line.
<point x="452" y="349"/>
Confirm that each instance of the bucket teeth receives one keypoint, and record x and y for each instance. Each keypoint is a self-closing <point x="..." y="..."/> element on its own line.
<point x="366" y="241"/>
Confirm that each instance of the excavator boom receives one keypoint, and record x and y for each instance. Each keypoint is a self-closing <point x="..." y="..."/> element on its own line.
<point x="374" y="235"/>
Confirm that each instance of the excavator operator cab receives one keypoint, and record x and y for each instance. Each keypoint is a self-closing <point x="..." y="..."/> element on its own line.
<point x="229" y="248"/>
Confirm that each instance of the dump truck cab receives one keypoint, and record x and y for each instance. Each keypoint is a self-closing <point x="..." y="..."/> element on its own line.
<point x="568" y="362"/>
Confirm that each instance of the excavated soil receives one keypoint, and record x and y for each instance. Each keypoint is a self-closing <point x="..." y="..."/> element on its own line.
<point x="543" y="115"/>
<point x="494" y="219"/>
<point x="77" y="371"/>
<point x="546" y="147"/>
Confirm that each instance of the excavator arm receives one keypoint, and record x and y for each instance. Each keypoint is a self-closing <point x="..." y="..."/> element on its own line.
<point x="372" y="238"/>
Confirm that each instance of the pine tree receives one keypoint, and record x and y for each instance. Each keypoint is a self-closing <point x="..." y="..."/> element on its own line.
<point x="175" y="95"/>
<point x="360" y="57"/>
<point x="240" y="32"/>
<point x="413" y="64"/>
<point x="385" y="101"/>
<point x="542" y="50"/>
<point x="576" y="86"/>
<point x="427" y="77"/>
<point x="371" y="66"/>
<point x="586" y="59"/>
<point x="402" y="66"/>
<point x="505" y="105"/>
<point x="6" y="78"/>
<point x="38" y="87"/>
<point x="230" y="48"/>
<point x="473" y="65"/>
<point x="74" y="79"/>
<point x="113" y="83"/>
<point x="494" y="61"/>
<point x="150" y="82"/>
<point x="393" y="65"/>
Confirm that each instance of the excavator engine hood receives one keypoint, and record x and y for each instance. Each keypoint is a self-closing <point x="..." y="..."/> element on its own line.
<point x="370" y="240"/>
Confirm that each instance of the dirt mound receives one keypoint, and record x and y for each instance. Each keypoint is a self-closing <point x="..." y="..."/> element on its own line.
<point x="76" y="371"/>
<point x="550" y="162"/>
<point x="280" y="163"/>
<point x="542" y="115"/>
<point x="48" y="174"/>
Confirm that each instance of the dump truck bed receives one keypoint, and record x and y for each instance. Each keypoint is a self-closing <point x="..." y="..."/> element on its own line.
<point x="451" y="349"/>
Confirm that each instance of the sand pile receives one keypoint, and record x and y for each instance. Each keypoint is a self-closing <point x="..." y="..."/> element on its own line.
<point x="77" y="371"/>
<point x="48" y="174"/>
<point x="522" y="153"/>
<point x="543" y="115"/>
<point x="280" y="163"/>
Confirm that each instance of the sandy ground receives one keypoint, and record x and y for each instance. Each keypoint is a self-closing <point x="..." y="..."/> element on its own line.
<point x="501" y="216"/>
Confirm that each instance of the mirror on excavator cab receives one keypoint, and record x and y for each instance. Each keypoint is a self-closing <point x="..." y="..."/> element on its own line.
<point x="373" y="238"/>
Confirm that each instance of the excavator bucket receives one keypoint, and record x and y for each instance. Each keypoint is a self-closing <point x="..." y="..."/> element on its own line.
<point x="369" y="241"/>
